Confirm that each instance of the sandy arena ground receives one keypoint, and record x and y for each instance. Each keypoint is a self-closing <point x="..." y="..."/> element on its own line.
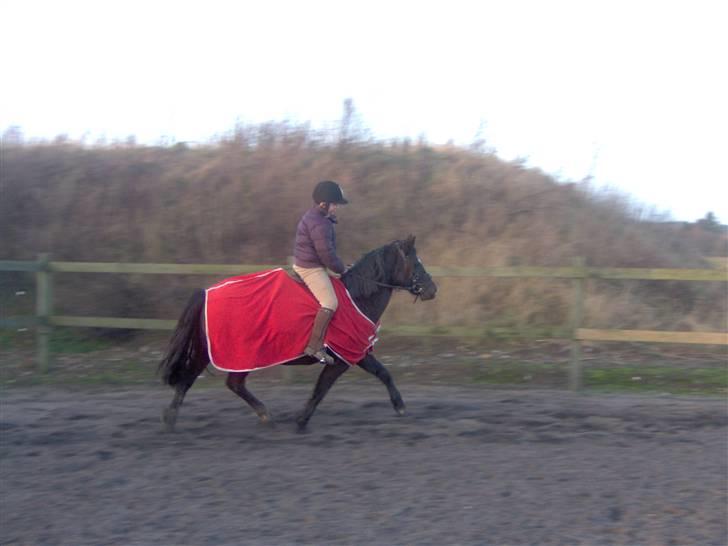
<point x="464" y="466"/>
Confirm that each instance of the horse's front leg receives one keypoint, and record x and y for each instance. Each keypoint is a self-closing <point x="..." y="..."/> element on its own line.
<point x="377" y="369"/>
<point x="326" y="379"/>
<point x="236" y="383"/>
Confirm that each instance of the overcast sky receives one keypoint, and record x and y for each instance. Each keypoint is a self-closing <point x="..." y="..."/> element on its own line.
<point x="632" y="93"/>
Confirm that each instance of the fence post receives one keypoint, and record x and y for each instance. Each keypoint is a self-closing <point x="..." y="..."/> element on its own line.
<point x="576" y="380"/>
<point x="43" y="310"/>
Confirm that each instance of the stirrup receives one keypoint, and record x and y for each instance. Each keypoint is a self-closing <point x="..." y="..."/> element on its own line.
<point x="322" y="356"/>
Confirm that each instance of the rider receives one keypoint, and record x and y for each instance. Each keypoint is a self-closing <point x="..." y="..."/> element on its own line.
<point x="314" y="251"/>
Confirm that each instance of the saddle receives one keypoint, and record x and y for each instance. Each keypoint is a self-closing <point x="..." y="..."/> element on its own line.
<point x="292" y="273"/>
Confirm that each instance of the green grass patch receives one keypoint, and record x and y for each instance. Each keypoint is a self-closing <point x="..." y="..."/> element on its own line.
<point x="661" y="379"/>
<point x="75" y="364"/>
<point x="490" y="332"/>
<point x="515" y="373"/>
<point x="676" y="380"/>
<point x="9" y="339"/>
<point x="73" y="341"/>
<point x="63" y="340"/>
<point x="80" y="375"/>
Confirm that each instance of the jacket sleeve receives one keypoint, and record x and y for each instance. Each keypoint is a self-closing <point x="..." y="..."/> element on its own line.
<point x="322" y="236"/>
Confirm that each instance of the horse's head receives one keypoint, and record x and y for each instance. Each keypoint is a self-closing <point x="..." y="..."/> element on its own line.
<point x="410" y="273"/>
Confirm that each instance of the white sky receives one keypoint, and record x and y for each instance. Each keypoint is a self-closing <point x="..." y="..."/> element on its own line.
<point x="633" y="92"/>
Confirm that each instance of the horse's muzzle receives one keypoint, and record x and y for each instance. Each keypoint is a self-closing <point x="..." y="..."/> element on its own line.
<point x="428" y="291"/>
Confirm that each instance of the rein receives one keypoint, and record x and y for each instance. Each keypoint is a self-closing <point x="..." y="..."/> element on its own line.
<point x="413" y="288"/>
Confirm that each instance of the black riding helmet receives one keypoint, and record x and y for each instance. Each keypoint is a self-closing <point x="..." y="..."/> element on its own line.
<point x="329" y="191"/>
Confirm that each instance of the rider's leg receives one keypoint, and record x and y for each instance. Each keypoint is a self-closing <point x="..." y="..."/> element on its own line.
<point x="317" y="280"/>
<point x="315" y="346"/>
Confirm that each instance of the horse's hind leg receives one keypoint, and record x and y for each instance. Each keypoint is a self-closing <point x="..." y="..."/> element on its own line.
<point x="236" y="383"/>
<point x="169" y="416"/>
<point x="186" y="356"/>
<point x="326" y="379"/>
<point x="377" y="369"/>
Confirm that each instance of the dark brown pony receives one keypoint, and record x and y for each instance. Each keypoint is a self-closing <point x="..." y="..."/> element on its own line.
<point x="371" y="282"/>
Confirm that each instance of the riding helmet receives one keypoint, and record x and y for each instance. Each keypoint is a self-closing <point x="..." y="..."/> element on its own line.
<point x="329" y="191"/>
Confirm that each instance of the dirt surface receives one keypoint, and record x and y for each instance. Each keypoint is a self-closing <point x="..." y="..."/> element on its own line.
<point x="464" y="466"/>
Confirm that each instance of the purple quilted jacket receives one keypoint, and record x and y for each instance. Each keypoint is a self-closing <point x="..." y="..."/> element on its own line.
<point x="316" y="242"/>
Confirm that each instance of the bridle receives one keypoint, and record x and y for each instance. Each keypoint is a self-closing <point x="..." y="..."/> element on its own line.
<point x="414" y="288"/>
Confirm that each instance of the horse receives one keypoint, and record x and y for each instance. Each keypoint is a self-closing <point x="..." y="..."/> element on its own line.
<point x="371" y="282"/>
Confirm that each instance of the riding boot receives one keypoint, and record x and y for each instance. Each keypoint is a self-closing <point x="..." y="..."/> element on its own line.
<point x="315" y="345"/>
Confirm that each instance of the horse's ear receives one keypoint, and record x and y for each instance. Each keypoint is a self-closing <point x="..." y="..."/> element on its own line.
<point x="409" y="243"/>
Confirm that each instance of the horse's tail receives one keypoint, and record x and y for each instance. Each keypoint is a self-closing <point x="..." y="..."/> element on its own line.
<point x="187" y="346"/>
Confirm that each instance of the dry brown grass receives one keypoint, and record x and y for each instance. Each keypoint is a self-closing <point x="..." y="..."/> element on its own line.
<point x="238" y="200"/>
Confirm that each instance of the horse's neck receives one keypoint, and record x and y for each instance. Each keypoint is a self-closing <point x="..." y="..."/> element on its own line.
<point x="369" y="270"/>
<point x="374" y="306"/>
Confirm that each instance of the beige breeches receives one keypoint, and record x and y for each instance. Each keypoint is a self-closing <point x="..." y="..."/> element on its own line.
<point x="318" y="282"/>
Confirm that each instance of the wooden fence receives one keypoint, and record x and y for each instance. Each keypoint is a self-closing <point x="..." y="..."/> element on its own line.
<point x="45" y="319"/>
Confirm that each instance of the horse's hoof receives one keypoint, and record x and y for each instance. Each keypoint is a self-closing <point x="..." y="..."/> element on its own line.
<point x="399" y="407"/>
<point x="169" y="418"/>
<point x="302" y="429"/>
<point x="266" y="420"/>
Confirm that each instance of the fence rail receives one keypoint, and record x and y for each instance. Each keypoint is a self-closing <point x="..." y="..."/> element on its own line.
<point x="578" y="273"/>
<point x="574" y="272"/>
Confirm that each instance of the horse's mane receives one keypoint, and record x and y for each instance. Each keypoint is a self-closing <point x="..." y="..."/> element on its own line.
<point x="372" y="266"/>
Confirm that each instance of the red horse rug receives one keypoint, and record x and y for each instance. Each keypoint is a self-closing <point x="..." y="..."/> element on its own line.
<point x="263" y="319"/>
